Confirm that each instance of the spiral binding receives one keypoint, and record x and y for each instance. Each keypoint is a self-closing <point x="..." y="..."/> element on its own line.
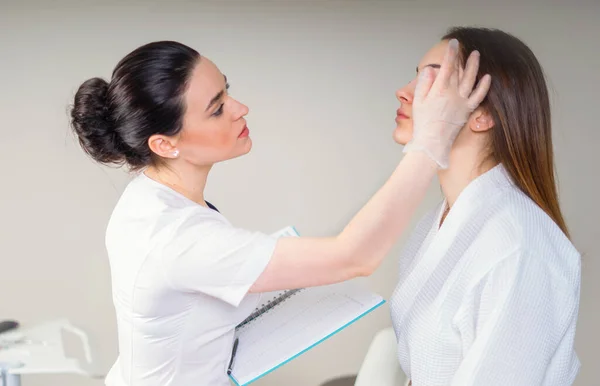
<point x="269" y="306"/>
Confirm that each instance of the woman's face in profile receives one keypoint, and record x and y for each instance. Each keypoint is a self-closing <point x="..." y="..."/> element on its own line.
<point x="214" y="124"/>
<point x="404" y="124"/>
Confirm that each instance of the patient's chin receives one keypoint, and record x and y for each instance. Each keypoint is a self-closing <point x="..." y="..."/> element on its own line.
<point x="401" y="136"/>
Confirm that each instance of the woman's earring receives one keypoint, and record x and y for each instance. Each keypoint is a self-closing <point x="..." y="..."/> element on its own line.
<point x="176" y="153"/>
<point x="478" y="126"/>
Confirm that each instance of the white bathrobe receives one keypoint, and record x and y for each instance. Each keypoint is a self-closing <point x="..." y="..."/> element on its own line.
<point x="491" y="297"/>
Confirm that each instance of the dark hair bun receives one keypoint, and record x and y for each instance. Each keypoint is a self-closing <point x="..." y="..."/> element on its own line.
<point x="91" y="122"/>
<point x="145" y="96"/>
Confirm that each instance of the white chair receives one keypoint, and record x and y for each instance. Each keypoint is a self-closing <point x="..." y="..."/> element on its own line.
<point x="380" y="366"/>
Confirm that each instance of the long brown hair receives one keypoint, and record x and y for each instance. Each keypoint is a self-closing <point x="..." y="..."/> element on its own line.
<point x="518" y="101"/>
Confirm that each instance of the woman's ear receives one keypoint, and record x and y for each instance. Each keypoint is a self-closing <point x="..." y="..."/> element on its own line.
<point x="163" y="146"/>
<point x="480" y="121"/>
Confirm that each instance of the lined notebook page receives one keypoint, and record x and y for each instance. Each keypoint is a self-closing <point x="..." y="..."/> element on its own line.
<point x="294" y="326"/>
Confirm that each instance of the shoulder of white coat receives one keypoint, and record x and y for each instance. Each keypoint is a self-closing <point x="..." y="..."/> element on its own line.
<point x="196" y="218"/>
<point x="517" y="226"/>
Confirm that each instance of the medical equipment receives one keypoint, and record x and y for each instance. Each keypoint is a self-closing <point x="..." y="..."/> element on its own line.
<point x="40" y="349"/>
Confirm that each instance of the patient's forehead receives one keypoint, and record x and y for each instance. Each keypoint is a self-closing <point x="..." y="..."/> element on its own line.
<point x="434" y="56"/>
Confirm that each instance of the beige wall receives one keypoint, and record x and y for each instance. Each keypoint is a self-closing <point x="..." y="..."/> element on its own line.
<point x="319" y="78"/>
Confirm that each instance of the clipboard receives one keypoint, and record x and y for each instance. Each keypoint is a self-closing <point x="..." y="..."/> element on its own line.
<point x="289" y="323"/>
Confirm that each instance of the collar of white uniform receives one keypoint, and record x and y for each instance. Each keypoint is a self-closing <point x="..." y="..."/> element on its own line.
<point x="462" y="221"/>
<point x="477" y="193"/>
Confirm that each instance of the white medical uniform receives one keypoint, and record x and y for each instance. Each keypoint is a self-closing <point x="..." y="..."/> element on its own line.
<point x="180" y="276"/>
<point x="491" y="297"/>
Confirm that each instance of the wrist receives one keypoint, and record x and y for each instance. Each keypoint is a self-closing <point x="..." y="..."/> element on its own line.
<point x="431" y="155"/>
<point x="421" y="157"/>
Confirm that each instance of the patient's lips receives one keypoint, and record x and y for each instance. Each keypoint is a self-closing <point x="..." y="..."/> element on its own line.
<point x="400" y="115"/>
<point x="245" y="132"/>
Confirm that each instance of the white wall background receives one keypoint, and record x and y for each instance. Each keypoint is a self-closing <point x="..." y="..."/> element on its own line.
<point x="319" y="78"/>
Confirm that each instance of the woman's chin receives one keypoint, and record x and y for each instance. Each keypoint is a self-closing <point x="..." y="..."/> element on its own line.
<point x="401" y="137"/>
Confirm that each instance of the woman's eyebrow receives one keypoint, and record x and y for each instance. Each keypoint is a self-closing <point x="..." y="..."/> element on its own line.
<point x="432" y="65"/>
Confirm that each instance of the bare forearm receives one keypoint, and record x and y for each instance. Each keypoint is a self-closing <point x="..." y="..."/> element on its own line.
<point x="377" y="226"/>
<point x="364" y="242"/>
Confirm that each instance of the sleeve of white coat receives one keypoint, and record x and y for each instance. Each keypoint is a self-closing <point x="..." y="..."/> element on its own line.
<point x="524" y="317"/>
<point x="206" y="255"/>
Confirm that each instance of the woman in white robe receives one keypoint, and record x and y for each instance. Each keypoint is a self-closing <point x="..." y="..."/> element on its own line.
<point x="488" y="289"/>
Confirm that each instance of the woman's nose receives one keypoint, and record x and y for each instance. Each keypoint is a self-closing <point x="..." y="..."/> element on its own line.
<point x="406" y="93"/>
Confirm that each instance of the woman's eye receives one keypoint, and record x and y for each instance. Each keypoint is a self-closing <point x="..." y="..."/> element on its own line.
<point x="219" y="111"/>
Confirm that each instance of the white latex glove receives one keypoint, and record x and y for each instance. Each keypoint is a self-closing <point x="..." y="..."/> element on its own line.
<point x="442" y="105"/>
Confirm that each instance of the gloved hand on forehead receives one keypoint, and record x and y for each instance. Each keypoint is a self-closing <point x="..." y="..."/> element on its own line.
<point x="442" y="104"/>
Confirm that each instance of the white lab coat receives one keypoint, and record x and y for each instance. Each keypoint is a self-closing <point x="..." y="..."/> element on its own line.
<point x="491" y="297"/>
<point x="180" y="277"/>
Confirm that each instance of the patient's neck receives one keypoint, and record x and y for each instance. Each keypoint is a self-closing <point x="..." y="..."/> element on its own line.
<point x="466" y="164"/>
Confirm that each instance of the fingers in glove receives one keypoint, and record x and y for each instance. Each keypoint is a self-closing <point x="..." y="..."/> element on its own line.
<point x="480" y="92"/>
<point x="448" y="68"/>
<point x="426" y="78"/>
<point x="454" y="81"/>
<point x="470" y="75"/>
